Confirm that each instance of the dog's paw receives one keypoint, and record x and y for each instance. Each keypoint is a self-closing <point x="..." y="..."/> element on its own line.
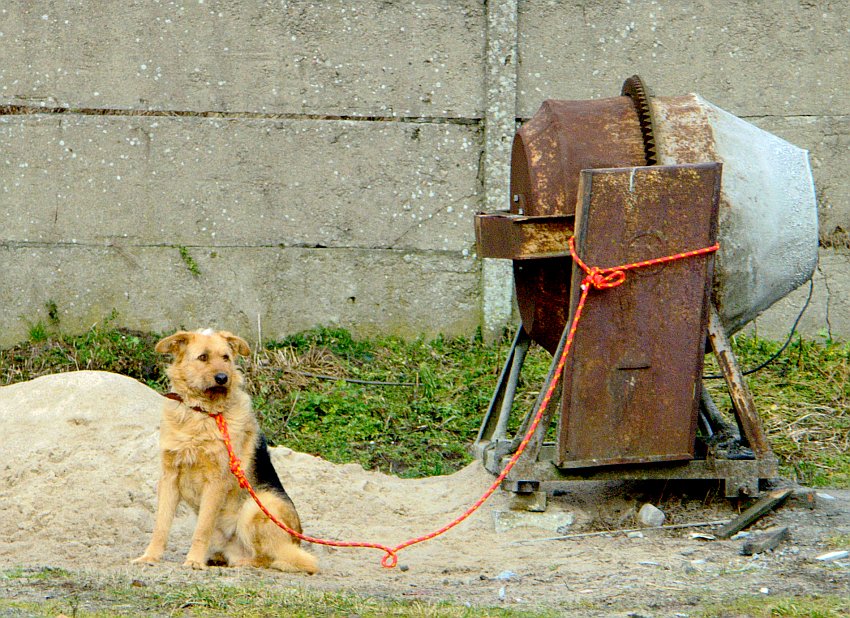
<point x="198" y="565"/>
<point x="146" y="559"/>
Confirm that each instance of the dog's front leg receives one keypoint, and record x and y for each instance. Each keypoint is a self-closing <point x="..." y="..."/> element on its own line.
<point x="168" y="497"/>
<point x="208" y="512"/>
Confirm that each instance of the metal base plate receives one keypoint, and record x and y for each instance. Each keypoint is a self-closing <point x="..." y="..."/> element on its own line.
<point x="741" y="478"/>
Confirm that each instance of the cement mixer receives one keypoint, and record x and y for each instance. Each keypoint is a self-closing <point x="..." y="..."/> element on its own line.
<point x="631" y="178"/>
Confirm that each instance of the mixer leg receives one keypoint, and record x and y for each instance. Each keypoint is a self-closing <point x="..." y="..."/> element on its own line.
<point x="521" y="471"/>
<point x="713" y="419"/>
<point x="494" y="426"/>
<point x="749" y="422"/>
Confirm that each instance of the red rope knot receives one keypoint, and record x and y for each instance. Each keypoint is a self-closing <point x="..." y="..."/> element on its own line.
<point x="240" y="476"/>
<point x="603" y="279"/>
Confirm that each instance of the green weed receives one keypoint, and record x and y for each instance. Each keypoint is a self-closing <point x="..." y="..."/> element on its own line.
<point x="37" y="332"/>
<point x="804" y="401"/>
<point x="102" y="348"/>
<point x="189" y="261"/>
<point x="414" y="411"/>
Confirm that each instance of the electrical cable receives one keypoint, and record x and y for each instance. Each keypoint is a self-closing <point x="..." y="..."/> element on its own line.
<point x="784" y="345"/>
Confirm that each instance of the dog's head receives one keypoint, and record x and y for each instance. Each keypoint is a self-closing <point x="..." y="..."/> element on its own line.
<point x="204" y="362"/>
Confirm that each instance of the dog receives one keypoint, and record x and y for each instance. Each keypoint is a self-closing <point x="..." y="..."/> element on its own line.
<point x="231" y="530"/>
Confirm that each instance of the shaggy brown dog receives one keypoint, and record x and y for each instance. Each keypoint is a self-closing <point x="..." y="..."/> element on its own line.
<point x="231" y="530"/>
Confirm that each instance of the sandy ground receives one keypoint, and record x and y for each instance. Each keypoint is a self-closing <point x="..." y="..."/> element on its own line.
<point x="77" y="490"/>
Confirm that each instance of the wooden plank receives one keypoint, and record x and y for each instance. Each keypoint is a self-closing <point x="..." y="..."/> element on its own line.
<point x="766" y="541"/>
<point x="756" y="511"/>
<point x="739" y="392"/>
<point x="515" y="237"/>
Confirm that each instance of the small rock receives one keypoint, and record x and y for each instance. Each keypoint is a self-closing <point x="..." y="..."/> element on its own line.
<point x="700" y="536"/>
<point x="651" y="516"/>
<point x="635" y="535"/>
<point x="534" y="502"/>
<point x="506" y="576"/>
<point x="824" y="496"/>
<point x="552" y="520"/>
<point x="833" y="555"/>
<point x="502" y="593"/>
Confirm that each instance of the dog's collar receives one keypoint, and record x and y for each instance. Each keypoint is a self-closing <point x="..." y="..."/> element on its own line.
<point x="178" y="398"/>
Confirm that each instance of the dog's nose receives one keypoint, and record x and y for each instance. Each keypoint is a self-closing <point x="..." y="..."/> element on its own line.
<point x="221" y="378"/>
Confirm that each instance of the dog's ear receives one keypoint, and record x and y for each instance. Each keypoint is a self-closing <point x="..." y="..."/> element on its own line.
<point x="239" y="345"/>
<point x="174" y="343"/>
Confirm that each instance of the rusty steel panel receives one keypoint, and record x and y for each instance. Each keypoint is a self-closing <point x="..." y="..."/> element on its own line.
<point x="549" y="152"/>
<point x="516" y="237"/>
<point x="632" y="380"/>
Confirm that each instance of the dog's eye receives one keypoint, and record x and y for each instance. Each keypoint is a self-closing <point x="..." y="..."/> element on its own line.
<point x="226" y="357"/>
<point x="203" y="358"/>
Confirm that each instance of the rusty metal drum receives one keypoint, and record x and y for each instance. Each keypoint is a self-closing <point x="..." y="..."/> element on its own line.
<point x="549" y="152"/>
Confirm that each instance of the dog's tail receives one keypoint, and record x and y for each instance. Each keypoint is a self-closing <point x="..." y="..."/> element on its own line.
<point x="271" y="545"/>
<point x="294" y="558"/>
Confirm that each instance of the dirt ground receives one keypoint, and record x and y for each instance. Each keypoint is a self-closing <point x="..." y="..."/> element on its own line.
<point x="77" y="492"/>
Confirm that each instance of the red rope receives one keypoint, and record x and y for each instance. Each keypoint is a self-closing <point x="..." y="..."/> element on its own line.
<point x="598" y="278"/>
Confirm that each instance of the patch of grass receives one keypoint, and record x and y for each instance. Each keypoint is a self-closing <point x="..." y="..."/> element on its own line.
<point x="839" y="541"/>
<point x="803" y="399"/>
<point x="101" y="348"/>
<point x="773" y="607"/>
<point x="44" y="573"/>
<point x="37" y="332"/>
<point x="79" y="594"/>
<point x="413" y="408"/>
<point x="420" y="424"/>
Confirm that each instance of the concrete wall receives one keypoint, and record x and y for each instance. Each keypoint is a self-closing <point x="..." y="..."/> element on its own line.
<point x="277" y="165"/>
